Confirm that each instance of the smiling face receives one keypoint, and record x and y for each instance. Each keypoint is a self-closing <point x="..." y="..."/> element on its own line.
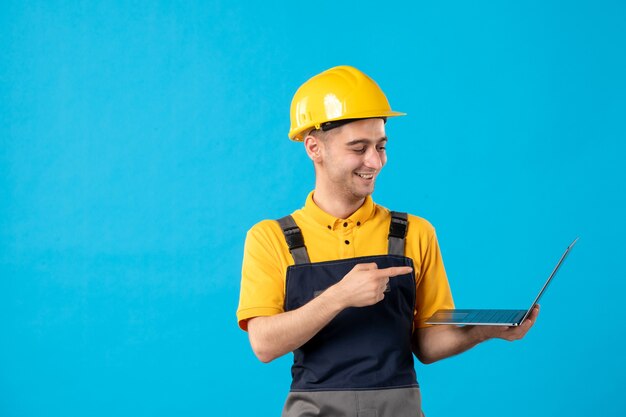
<point x="348" y="159"/>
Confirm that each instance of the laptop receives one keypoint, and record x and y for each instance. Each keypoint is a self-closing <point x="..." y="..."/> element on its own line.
<point x="494" y="317"/>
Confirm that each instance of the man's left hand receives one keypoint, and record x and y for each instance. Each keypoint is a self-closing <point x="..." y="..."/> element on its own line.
<point x="513" y="332"/>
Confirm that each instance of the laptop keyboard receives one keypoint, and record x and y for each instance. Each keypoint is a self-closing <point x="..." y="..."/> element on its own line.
<point x="492" y="316"/>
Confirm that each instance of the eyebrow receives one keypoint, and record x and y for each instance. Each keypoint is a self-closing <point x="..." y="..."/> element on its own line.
<point x="365" y="141"/>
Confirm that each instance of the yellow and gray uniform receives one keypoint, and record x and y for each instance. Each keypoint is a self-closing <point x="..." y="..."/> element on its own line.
<point x="361" y="362"/>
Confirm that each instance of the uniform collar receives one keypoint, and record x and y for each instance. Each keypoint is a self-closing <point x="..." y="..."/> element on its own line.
<point x="363" y="213"/>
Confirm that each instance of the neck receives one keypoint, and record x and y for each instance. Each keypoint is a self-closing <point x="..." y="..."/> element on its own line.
<point x="336" y="205"/>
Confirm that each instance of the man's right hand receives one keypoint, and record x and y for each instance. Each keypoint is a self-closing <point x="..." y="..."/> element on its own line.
<point x="365" y="284"/>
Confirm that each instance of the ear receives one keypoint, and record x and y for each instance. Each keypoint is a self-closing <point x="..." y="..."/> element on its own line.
<point x="313" y="147"/>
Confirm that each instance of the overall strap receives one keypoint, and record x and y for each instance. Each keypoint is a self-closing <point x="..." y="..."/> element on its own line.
<point x="397" y="233"/>
<point x="295" y="241"/>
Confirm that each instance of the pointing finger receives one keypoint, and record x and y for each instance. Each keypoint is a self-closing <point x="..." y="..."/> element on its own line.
<point x="395" y="271"/>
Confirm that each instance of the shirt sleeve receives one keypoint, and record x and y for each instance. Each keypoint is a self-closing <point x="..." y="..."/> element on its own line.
<point x="262" y="276"/>
<point x="433" y="290"/>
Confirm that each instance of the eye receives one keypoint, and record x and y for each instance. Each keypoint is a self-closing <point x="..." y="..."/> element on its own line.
<point x="359" y="150"/>
<point x="381" y="148"/>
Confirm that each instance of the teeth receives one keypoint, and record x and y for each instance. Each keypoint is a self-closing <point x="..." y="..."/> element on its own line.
<point x="366" y="176"/>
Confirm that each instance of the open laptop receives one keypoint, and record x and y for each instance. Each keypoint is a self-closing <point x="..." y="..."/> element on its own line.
<point x="494" y="317"/>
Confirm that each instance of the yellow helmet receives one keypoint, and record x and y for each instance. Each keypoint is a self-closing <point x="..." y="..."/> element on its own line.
<point x="339" y="93"/>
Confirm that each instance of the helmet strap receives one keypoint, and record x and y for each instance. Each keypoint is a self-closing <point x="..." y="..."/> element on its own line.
<point x="336" y="123"/>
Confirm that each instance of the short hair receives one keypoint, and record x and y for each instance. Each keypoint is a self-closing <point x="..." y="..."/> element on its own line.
<point x="319" y="134"/>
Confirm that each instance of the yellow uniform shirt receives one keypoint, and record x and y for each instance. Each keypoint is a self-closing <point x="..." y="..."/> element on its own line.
<point x="327" y="238"/>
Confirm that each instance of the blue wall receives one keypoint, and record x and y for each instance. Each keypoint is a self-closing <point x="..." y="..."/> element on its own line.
<point x="140" y="140"/>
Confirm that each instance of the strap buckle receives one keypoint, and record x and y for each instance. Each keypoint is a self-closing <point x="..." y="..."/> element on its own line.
<point x="294" y="238"/>
<point x="397" y="228"/>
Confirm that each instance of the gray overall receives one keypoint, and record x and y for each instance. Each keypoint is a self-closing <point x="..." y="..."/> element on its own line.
<point x="361" y="363"/>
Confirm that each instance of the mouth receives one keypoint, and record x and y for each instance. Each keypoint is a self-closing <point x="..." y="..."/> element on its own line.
<point x="365" y="176"/>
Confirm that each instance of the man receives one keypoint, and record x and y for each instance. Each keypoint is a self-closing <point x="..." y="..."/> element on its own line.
<point x="343" y="283"/>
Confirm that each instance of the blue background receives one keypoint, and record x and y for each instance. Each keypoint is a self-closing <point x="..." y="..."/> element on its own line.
<point x="140" y="140"/>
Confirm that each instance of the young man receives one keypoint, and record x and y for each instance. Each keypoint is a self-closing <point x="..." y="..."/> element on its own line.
<point x="343" y="283"/>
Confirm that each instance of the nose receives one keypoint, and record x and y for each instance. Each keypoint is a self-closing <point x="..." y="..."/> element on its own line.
<point x="373" y="159"/>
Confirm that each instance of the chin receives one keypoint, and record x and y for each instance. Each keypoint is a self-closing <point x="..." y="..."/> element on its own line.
<point x="362" y="193"/>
